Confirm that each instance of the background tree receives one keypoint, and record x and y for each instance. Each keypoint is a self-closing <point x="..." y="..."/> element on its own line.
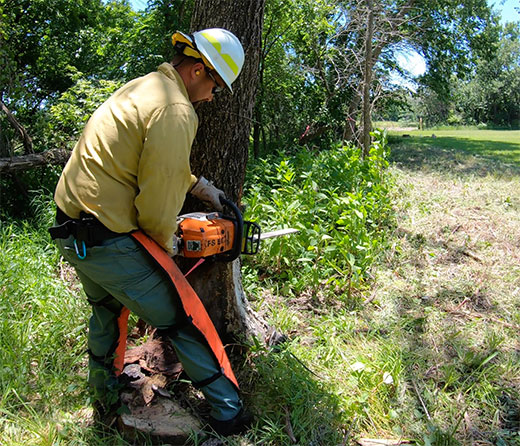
<point x="325" y="44"/>
<point x="290" y="99"/>
<point x="45" y="48"/>
<point x="492" y="95"/>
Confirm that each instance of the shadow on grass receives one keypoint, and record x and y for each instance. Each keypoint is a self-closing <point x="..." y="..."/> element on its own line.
<point x="457" y="155"/>
<point x="297" y="406"/>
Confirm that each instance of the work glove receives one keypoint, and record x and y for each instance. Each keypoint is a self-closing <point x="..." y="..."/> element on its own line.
<point x="205" y="191"/>
<point x="176" y="246"/>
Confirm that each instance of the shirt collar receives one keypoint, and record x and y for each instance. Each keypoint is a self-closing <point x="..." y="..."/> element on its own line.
<point x="170" y="72"/>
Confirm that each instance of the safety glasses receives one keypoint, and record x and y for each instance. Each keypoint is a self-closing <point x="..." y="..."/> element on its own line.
<point x="217" y="88"/>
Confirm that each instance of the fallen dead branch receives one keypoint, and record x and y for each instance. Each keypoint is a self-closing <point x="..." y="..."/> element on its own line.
<point x="381" y="442"/>
<point x="49" y="157"/>
<point x="421" y="400"/>
<point x="471" y="255"/>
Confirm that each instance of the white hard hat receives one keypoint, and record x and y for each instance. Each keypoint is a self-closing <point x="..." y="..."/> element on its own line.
<point x="218" y="48"/>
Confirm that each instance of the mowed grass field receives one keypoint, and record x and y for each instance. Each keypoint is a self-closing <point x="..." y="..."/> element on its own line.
<point x="496" y="145"/>
<point x="448" y="289"/>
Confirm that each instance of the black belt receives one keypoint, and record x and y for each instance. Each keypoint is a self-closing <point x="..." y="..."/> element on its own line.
<point x="86" y="229"/>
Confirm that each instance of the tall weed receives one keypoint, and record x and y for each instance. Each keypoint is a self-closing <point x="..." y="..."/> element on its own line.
<point x="339" y="202"/>
<point x="42" y="330"/>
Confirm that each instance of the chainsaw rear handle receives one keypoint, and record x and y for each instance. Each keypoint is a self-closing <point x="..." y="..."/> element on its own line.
<point x="239" y="231"/>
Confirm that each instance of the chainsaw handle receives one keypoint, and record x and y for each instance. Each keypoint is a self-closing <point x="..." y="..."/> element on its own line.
<point x="239" y="231"/>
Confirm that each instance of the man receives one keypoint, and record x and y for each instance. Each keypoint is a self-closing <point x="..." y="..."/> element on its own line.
<point x="130" y="171"/>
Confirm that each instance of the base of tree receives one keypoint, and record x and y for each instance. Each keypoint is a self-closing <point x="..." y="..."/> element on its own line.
<point x="163" y="421"/>
<point x="153" y="411"/>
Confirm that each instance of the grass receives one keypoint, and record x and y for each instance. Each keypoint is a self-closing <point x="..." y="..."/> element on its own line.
<point x="501" y="146"/>
<point x="450" y="287"/>
<point x="425" y="347"/>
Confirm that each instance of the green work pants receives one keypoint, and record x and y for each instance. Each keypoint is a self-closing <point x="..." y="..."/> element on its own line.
<point x="119" y="272"/>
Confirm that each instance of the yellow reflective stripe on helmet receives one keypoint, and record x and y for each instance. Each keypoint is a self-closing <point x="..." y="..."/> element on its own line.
<point x="228" y="59"/>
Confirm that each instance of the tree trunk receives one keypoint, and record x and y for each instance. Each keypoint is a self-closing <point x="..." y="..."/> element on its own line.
<point x="350" y="131"/>
<point x="256" y="135"/>
<point x="220" y="154"/>
<point x="367" y="124"/>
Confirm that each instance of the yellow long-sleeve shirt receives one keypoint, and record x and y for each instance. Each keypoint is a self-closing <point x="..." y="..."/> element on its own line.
<point x="130" y="168"/>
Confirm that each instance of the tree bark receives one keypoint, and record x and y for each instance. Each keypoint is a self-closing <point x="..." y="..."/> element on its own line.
<point x="367" y="123"/>
<point x="220" y="154"/>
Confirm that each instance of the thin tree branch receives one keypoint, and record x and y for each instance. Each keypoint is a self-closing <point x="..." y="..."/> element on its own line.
<point x="27" y="141"/>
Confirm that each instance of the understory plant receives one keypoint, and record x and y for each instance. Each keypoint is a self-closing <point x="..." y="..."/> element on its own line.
<point x="338" y="201"/>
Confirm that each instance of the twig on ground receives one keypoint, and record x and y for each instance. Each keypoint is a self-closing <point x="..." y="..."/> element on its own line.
<point x="421" y="400"/>
<point x="346" y="437"/>
<point x="455" y="230"/>
<point x="474" y="315"/>
<point x="304" y="366"/>
<point x="288" y="426"/>
<point x="464" y="302"/>
<point x="381" y="442"/>
<point x="471" y="255"/>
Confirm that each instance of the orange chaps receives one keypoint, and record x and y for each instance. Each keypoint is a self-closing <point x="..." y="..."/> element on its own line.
<point x="191" y="303"/>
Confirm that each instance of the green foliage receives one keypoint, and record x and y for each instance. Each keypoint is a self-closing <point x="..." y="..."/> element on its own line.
<point x="488" y="96"/>
<point x="452" y="37"/>
<point x="62" y="59"/>
<point x="339" y="203"/>
<point x="50" y="46"/>
<point x="65" y="120"/>
<point x="43" y="39"/>
<point x="148" y="42"/>
<point x="493" y="94"/>
<point x="18" y="189"/>
<point x="287" y="88"/>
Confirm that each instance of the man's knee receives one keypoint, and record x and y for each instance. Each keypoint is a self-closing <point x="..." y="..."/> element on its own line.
<point x="108" y="302"/>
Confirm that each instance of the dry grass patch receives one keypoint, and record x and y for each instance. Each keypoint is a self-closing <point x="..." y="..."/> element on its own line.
<point x="449" y="291"/>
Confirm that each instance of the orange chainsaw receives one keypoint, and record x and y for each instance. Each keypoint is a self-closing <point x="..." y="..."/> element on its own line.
<point x="220" y="237"/>
<point x="205" y="236"/>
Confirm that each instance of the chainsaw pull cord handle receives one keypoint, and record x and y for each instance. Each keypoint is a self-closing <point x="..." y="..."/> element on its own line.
<point x="239" y="232"/>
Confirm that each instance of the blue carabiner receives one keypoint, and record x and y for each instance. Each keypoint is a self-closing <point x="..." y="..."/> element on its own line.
<point x="80" y="256"/>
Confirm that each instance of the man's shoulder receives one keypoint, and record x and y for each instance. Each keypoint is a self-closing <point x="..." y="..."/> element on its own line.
<point x="156" y="91"/>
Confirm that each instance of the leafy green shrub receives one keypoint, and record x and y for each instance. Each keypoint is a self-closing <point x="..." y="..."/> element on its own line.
<point x="61" y="126"/>
<point x="340" y="204"/>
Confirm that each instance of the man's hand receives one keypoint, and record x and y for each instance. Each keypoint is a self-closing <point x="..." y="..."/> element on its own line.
<point x="205" y="191"/>
<point x="176" y="246"/>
